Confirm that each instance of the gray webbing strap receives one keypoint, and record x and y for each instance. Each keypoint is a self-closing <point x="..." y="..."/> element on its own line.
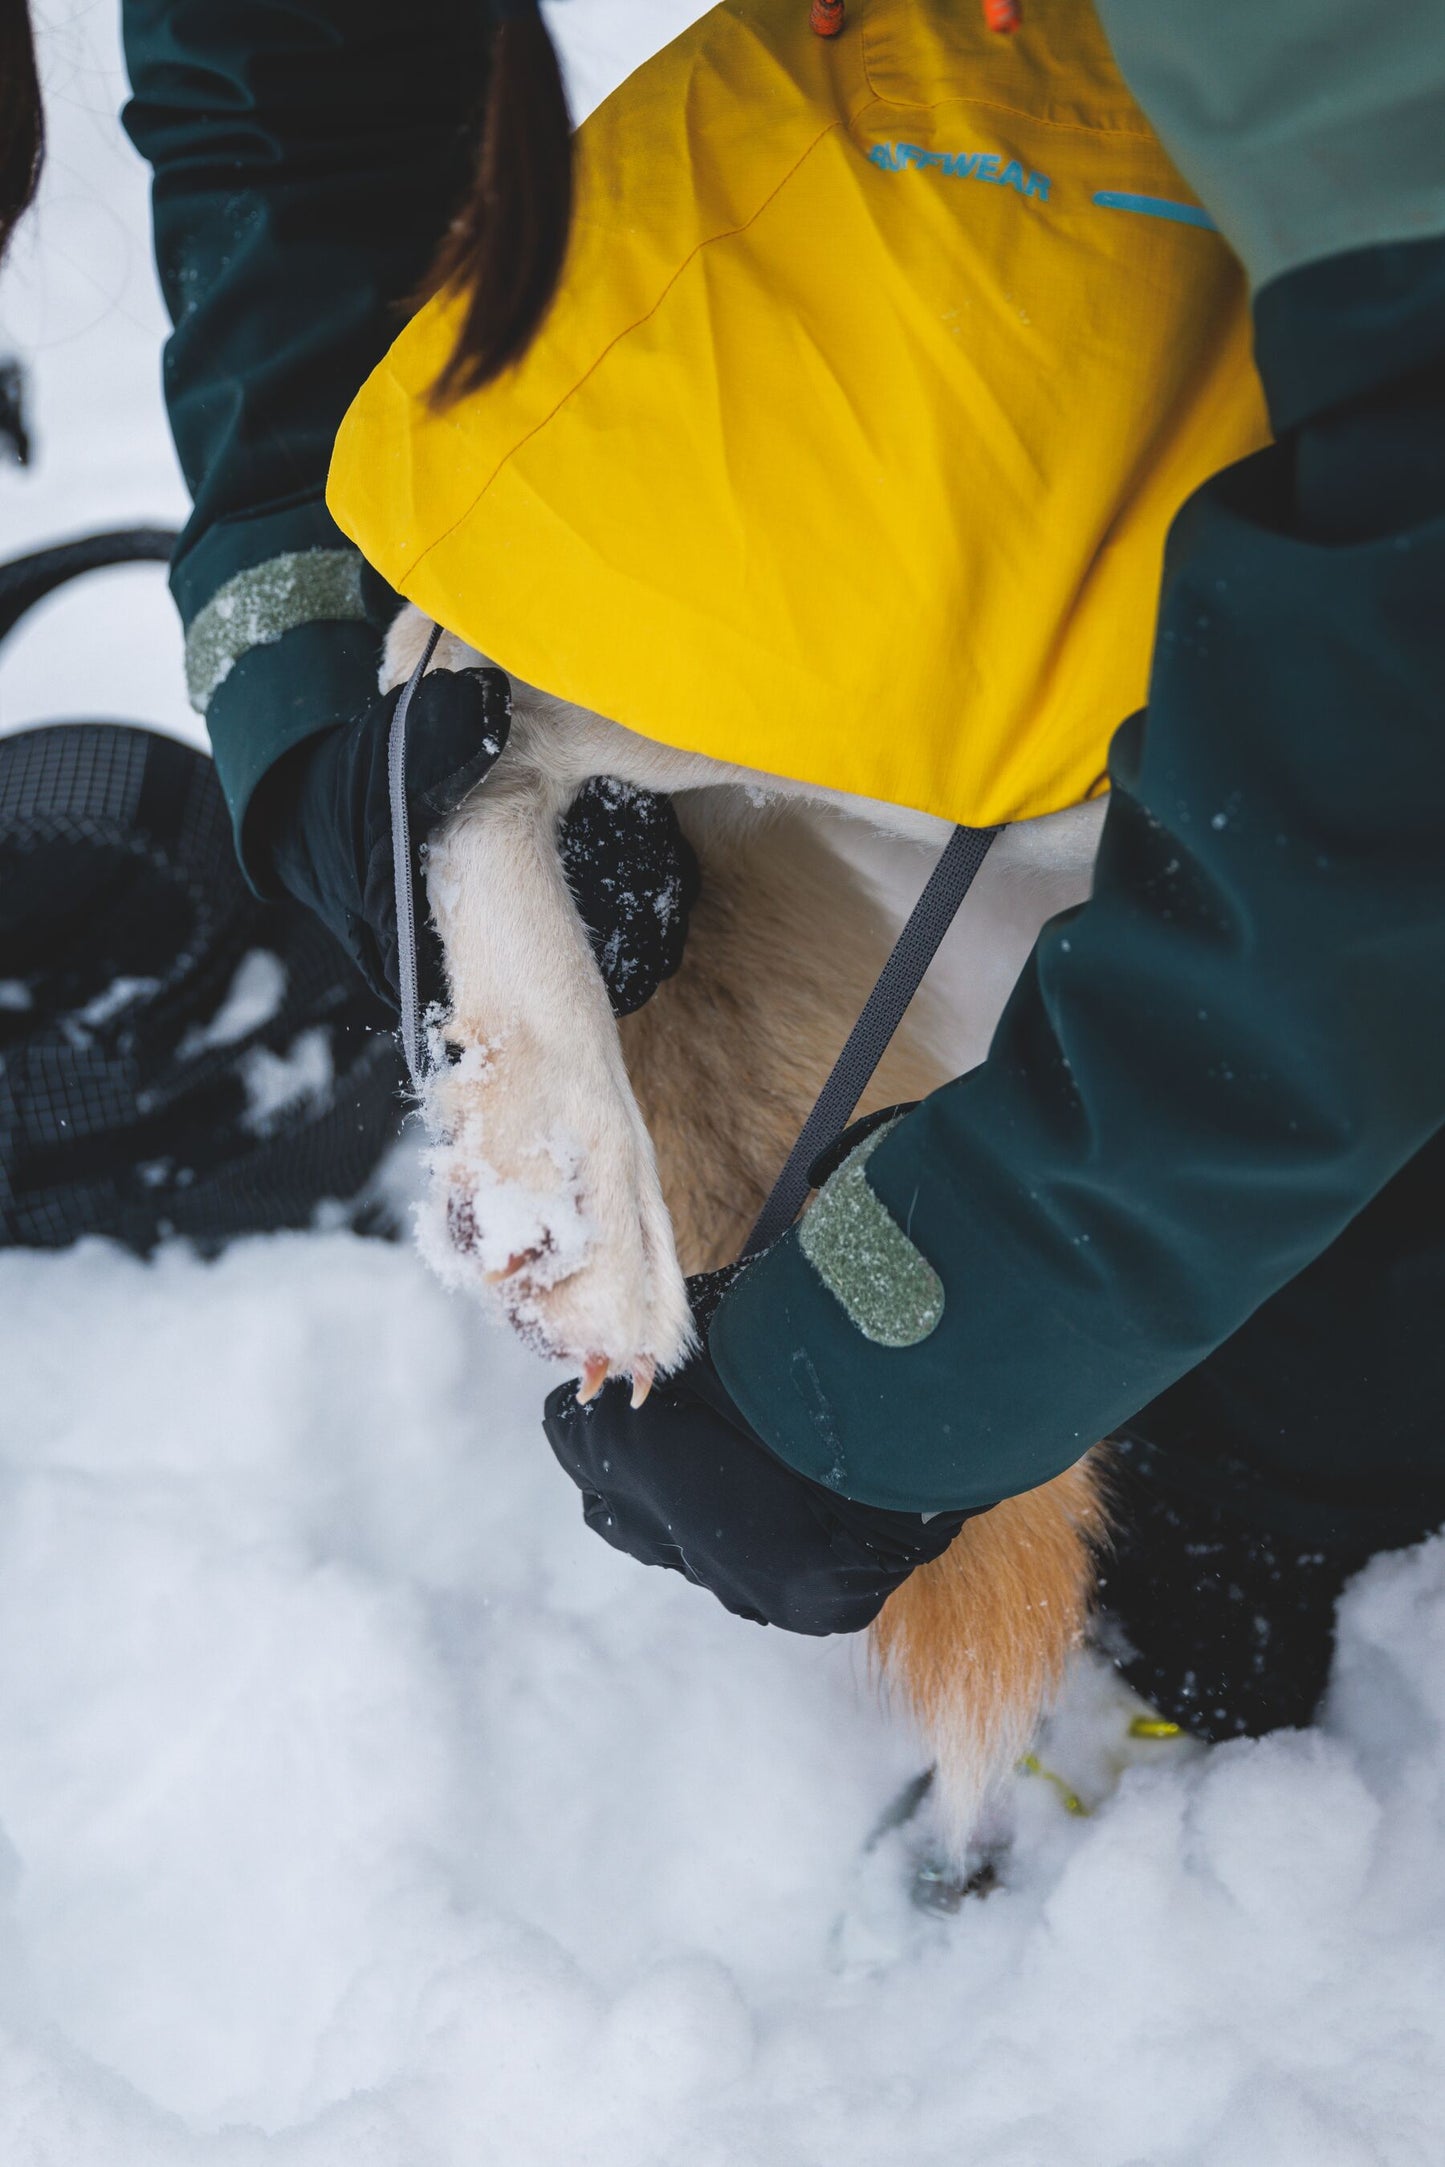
<point x="867" y="1042"/>
<point x="412" y="1042"/>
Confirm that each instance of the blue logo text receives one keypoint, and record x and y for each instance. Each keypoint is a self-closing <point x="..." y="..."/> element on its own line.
<point x="962" y="165"/>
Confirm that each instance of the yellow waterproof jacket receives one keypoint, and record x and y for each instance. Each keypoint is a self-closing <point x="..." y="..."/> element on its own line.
<point x="847" y="451"/>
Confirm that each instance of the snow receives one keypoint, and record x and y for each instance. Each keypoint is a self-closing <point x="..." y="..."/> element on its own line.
<point x="359" y="1809"/>
<point x="253" y="997"/>
<point x="116" y="999"/>
<point x="359" y="1806"/>
<point x="275" y="1082"/>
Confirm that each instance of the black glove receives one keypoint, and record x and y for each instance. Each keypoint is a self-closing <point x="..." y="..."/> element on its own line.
<point x="325" y="818"/>
<point x="685" y="1481"/>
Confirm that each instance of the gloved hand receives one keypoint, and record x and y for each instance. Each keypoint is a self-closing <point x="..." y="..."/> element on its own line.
<point x="325" y="819"/>
<point x="685" y="1481"/>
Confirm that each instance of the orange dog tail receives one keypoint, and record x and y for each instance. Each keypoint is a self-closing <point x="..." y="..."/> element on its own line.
<point x="977" y="1643"/>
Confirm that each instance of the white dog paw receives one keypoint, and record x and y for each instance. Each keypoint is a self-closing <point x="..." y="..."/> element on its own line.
<point x="545" y="1201"/>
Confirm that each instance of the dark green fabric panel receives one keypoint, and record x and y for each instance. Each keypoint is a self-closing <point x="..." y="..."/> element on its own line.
<point x="1308" y="127"/>
<point x="275" y="697"/>
<point x="1320" y="1418"/>
<point x="1209" y="1069"/>
<point x="910" y="1428"/>
<point x="1338" y="329"/>
<point x="307" y="155"/>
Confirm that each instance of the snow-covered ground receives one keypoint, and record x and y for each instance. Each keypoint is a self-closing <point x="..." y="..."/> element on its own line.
<point x="358" y="1810"/>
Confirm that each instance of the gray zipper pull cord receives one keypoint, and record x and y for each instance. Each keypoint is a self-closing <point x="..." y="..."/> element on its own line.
<point x="413" y="1045"/>
<point x="867" y="1042"/>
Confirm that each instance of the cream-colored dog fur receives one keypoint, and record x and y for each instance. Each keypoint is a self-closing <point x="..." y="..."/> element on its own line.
<point x="579" y="1169"/>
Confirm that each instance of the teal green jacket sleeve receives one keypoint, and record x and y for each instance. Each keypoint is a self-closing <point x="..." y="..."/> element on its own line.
<point x="306" y="157"/>
<point x="1207" y="1070"/>
<point x="1311" y="128"/>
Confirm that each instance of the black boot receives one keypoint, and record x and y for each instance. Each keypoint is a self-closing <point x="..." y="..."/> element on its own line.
<point x="1226" y="1629"/>
<point x="1250" y="1492"/>
<point x="175" y="1057"/>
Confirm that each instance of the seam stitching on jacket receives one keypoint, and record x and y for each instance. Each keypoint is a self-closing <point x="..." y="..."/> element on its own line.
<point x="998" y="105"/>
<point x="710" y="240"/>
<point x="878" y="98"/>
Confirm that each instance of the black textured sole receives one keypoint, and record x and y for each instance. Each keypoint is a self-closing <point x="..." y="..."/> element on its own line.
<point x="128" y="1106"/>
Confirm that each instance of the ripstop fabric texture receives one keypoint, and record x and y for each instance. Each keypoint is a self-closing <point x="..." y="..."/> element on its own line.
<point x="879" y="366"/>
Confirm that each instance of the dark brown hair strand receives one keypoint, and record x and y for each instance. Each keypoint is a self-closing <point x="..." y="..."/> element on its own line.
<point x="505" y="248"/>
<point x="22" y="126"/>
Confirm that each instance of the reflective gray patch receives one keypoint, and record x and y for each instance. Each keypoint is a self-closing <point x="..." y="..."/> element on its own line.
<point x="259" y="605"/>
<point x="888" y="1288"/>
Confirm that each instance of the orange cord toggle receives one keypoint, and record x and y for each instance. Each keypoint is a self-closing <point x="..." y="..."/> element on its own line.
<point x="1002" y="15"/>
<point x="827" y="17"/>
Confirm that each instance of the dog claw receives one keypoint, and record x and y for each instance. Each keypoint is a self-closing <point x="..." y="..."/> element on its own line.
<point x="594" y="1377"/>
<point x="642" y="1380"/>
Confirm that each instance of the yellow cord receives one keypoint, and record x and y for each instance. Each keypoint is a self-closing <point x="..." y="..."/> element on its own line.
<point x="1033" y="1766"/>
<point x="1141" y="1727"/>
